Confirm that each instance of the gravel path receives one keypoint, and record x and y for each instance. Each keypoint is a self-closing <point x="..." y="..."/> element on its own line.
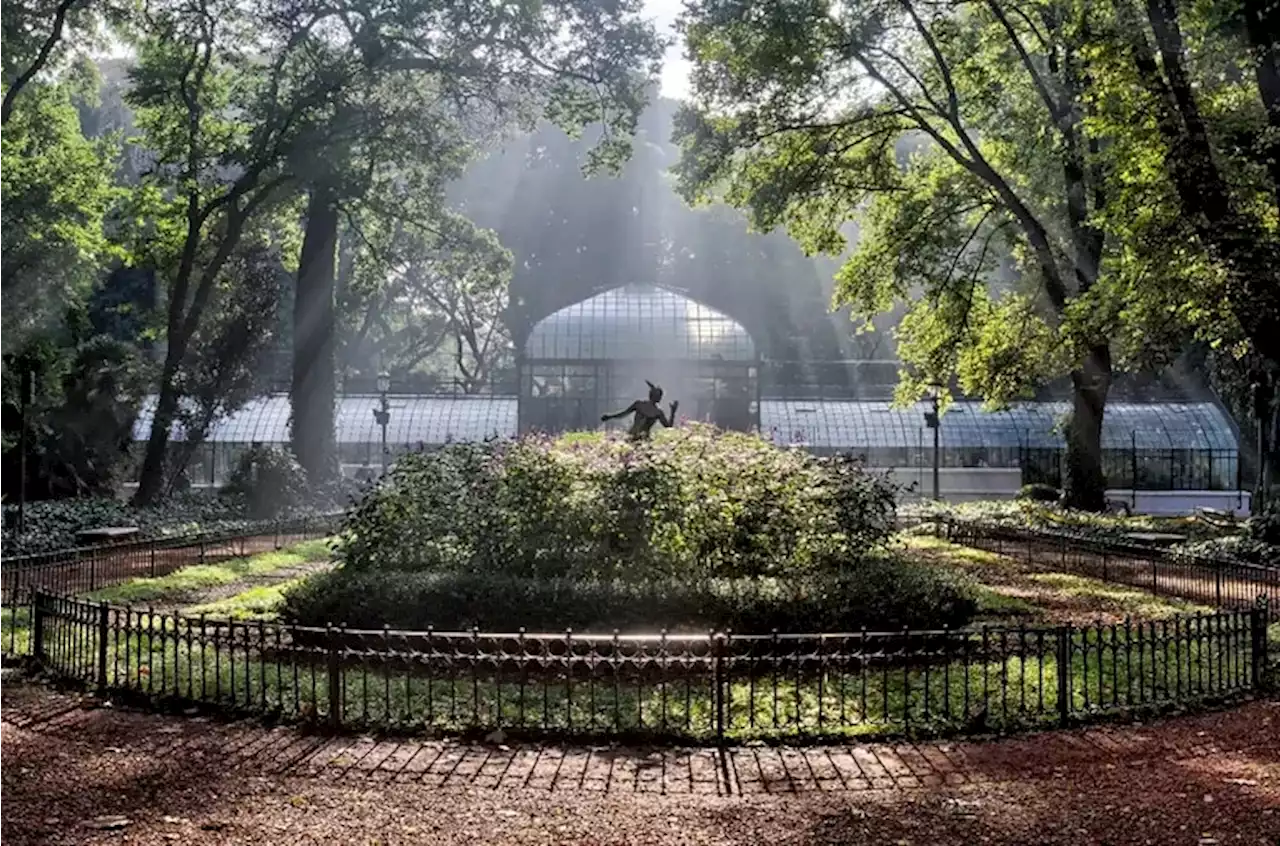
<point x="78" y="773"/>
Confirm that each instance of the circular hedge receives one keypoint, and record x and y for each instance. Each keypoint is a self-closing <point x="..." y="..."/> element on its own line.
<point x="693" y="503"/>
<point x="697" y="529"/>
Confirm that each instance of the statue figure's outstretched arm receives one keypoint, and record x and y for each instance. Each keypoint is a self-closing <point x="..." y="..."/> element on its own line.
<point x="662" y="418"/>
<point x="628" y="410"/>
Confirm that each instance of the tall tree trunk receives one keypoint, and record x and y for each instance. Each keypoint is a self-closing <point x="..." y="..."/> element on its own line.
<point x="1085" y="483"/>
<point x="1249" y="253"/>
<point x="1262" y="27"/>
<point x="151" y="481"/>
<point x="314" y="361"/>
<point x="1266" y="414"/>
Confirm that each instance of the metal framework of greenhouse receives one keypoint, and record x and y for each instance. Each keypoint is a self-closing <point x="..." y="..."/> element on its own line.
<point x="595" y="356"/>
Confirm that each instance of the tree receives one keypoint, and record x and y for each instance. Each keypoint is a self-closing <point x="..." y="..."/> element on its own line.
<point x="220" y="125"/>
<point x="35" y="34"/>
<point x="1193" y="121"/>
<point x="800" y="110"/>
<point x="574" y="62"/>
<point x="429" y="298"/>
<point x="228" y="360"/>
<point x="57" y="190"/>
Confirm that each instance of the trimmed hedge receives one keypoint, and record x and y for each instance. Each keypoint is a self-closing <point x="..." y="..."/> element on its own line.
<point x="882" y="593"/>
<point x="695" y="503"/>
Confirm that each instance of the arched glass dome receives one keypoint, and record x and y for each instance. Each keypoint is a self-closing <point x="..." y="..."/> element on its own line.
<point x="639" y="323"/>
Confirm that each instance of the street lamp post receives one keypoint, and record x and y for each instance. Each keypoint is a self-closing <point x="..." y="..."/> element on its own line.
<point x="382" y="414"/>
<point x="932" y="420"/>
<point x="27" y="389"/>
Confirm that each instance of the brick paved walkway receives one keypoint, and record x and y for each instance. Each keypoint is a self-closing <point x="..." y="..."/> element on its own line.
<point x="1252" y="729"/>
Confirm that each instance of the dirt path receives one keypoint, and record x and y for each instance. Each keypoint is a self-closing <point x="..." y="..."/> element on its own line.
<point x="190" y="599"/>
<point x="71" y="773"/>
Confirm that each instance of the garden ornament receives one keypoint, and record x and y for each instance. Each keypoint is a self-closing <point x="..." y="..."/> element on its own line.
<point x="646" y="413"/>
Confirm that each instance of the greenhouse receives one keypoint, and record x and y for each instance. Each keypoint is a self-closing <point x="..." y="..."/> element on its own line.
<point x="595" y="356"/>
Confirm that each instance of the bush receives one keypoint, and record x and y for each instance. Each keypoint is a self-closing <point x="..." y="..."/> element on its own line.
<point x="268" y="481"/>
<point x="1039" y="492"/>
<point x="53" y="525"/>
<point x="1264" y="527"/>
<point x="693" y="504"/>
<point x="880" y="593"/>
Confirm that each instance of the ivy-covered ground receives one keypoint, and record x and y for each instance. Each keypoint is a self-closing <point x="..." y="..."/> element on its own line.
<point x="1253" y="540"/>
<point x="54" y="525"/>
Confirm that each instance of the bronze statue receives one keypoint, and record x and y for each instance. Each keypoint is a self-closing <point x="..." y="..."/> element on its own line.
<point x="646" y="413"/>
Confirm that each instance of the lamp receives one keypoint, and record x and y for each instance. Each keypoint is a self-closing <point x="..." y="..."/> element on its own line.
<point x="382" y="414"/>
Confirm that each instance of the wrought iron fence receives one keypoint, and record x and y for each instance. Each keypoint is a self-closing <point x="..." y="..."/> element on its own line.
<point x="89" y="568"/>
<point x="713" y="687"/>
<point x="1222" y="583"/>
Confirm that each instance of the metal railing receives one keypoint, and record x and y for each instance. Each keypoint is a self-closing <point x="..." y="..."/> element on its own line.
<point x="89" y="568"/>
<point x="1222" y="583"/>
<point x="715" y="687"/>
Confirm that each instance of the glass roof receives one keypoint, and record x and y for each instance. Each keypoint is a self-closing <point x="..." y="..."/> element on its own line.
<point x="826" y="424"/>
<point x="639" y="323"/>
<point x="841" y="424"/>
<point x="414" y="419"/>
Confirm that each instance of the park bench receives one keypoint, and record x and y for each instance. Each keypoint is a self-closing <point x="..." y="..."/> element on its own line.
<point x="106" y="535"/>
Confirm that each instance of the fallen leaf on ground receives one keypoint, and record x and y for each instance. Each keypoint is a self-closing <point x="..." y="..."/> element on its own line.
<point x="109" y="822"/>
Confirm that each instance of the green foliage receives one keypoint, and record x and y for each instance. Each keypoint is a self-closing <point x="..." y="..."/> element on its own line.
<point x="57" y="188"/>
<point x="880" y="593"/>
<point x="1039" y="493"/>
<point x="1264" y="527"/>
<point x="693" y="504"/>
<point x="53" y="525"/>
<point x="268" y="481"/>
<point x="87" y="390"/>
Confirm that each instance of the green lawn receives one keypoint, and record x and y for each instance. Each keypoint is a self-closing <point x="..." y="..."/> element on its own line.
<point x="1010" y="591"/>
<point x="182" y="584"/>
<point x="982" y="681"/>
<point x="177" y="588"/>
<point x="256" y="603"/>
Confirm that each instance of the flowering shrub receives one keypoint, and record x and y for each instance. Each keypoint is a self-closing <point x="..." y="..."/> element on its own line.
<point x="695" y="503"/>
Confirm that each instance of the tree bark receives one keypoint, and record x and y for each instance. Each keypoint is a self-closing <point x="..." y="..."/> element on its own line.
<point x="1249" y="254"/>
<point x="151" y="481"/>
<point x="1266" y="414"/>
<point x="1262" y="28"/>
<point x="1085" y="483"/>
<point x="314" y="360"/>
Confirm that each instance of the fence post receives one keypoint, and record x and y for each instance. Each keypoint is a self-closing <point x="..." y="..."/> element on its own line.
<point x="335" y="678"/>
<point x="717" y="652"/>
<point x="1155" y="573"/>
<point x="1064" y="675"/>
<point x="37" y="624"/>
<point x="104" y="624"/>
<point x="1258" y="629"/>
<point x="1217" y="578"/>
<point x="93" y="573"/>
<point x="153" y="560"/>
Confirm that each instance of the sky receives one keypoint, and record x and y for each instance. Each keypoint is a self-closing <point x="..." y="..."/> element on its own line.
<point x="675" y="70"/>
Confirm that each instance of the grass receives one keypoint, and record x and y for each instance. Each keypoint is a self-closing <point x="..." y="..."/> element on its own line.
<point x="256" y="603"/>
<point x="987" y="681"/>
<point x="1011" y="591"/>
<point x="1039" y="514"/>
<point x="184" y="583"/>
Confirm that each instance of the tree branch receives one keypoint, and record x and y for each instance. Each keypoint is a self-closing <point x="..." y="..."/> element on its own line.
<point x="42" y="58"/>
